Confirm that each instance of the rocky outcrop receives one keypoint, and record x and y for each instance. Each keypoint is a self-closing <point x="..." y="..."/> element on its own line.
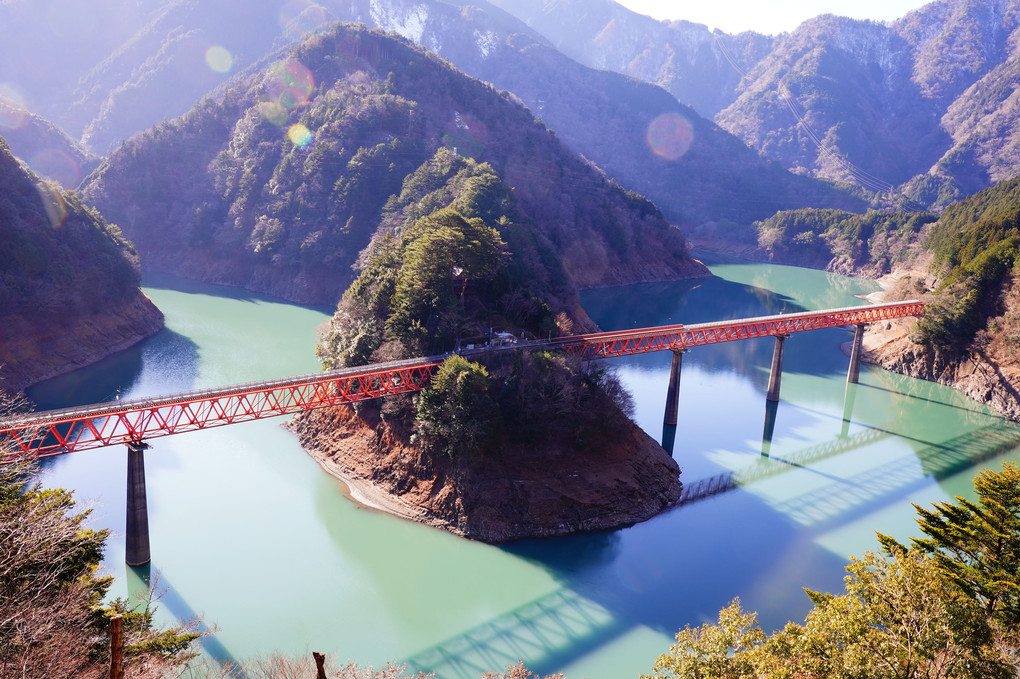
<point x="34" y="348"/>
<point x="512" y="493"/>
<point x="976" y="374"/>
<point x="984" y="372"/>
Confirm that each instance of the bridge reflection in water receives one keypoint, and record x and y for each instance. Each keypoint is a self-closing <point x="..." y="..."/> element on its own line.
<point x="549" y="631"/>
<point x="134" y="422"/>
<point x="562" y="626"/>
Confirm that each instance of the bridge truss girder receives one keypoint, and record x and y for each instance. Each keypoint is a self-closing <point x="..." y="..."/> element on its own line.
<point x="74" y="429"/>
<point x="44" y="435"/>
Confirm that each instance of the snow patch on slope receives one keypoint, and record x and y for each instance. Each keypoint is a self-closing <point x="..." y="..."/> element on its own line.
<point x="408" y="21"/>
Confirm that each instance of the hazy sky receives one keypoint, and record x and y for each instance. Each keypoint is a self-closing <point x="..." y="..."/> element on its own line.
<point x="769" y="16"/>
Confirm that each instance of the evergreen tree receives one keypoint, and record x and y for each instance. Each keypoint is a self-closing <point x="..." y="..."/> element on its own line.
<point x="978" y="543"/>
<point x="53" y="619"/>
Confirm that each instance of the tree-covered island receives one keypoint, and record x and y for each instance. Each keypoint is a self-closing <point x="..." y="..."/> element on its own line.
<point x="510" y="445"/>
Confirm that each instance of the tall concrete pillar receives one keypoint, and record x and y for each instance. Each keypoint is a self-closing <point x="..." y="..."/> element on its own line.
<point x="673" y="393"/>
<point x="854" y="373"/>
<point x="137" y="552"/>
<point x="848" y="408"/>
<point x="668" y="437"/>
<point x="771" y="408"/>
<point x="777" y="369"/>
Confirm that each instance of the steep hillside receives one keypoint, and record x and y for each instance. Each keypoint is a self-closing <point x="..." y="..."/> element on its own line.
<point x="280" y="184"/>
<point x="641" y="136"/>
<point x="970" y="336"/>
<point x="501" y="444"/>
<point x="872" y="244"/>
<point x="963" y="263"/>
<point x="922" y="109"/>
<point x="637" y="133"/>
<point x="45" y="148"/>
<point x="68" y="281"/>
<point x="699" y="67"/>
<point x="924" y="102"/>
<point x="835" y="98"/>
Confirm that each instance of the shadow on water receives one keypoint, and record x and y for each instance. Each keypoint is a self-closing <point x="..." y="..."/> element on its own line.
<point x="646" y="575"/>
<point x="141" y="580"/>
<point x="942" y="402"/>
<point x="647" y="585"/>
<point x="605" y="592"/>
<point x="164" y="281"/>
<point x="665" y="303"/>
<point x="769" y="427"/>
<point x="612" y="584"/>
<point x="556" y="628"/>
<point x="167" y="359"/>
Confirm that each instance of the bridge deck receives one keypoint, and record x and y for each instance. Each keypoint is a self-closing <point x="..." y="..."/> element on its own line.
<point x="55" y="432"/>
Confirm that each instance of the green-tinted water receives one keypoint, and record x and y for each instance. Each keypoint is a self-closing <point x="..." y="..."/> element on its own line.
<point x="250" y="533"/>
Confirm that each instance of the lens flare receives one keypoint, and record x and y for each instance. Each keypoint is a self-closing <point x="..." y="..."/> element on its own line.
<point x="219" y="59"/>
<point x="670" y="136"/>
<point x="273" y="113"/>
<point x="57" y="165"/>
<point x="53" y="202"/>
<point x="300" y="135"/>
<point x="290" y="83"/>
<point x="12" y="108"/>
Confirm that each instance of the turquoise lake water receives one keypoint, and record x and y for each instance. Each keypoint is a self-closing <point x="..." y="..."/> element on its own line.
<point x="249" y="533"/>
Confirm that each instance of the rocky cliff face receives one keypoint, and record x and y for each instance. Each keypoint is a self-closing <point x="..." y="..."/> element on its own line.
<point x="979" y="374"/>
<point x="34" y="348"/>
<point x="513" y="494"/>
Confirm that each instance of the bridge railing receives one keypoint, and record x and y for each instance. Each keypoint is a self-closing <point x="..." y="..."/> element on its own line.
<point x="71" y="429"/>
<point x="681" y="337"/>
<point x="68" y="430"/>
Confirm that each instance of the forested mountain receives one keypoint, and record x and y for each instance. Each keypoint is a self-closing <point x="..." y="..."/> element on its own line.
<point x="68" y="281"/>
<point x="501" y="444"/>
<point x="637" y="133"/>
<point x="699" y="67"/>
<point x="44" y="147"/>
<point x="281" y="183"/>
<point x="922" y="107"/>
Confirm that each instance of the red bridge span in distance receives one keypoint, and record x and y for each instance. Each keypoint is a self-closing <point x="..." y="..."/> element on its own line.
<point x="56" y="432"/>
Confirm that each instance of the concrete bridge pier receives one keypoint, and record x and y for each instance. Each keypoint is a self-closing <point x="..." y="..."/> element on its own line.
<point x="771" y="408"/>
<point x="668" y="437"/>
<point x="777" y="369"/>
<point x="673" y="393"/>
<point x="137" y="552"/>
<point x="854" y="373"/>
<point x="848" y="408"/>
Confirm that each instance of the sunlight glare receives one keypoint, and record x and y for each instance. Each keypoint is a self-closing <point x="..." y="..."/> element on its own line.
<point x="12" y="108"/>
<point x="298" y="17"/>
<point x="300" y="135"/>
<point x="273" y="113"/>
<point x="670" y="136"/>
<point x="290" y="83"/>
<point x="53" y="201"/>
<point x="219" y="59"/>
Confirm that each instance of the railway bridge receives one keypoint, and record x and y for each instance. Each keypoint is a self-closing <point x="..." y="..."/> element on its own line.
<point x="134" y="422"/>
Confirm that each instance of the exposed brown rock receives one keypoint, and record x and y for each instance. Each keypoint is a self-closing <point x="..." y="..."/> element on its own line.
<point x="34" y="348"/>
<point x="974" y="374"/>
<point x="988" y="374"/>
<point x="512" y="493"/>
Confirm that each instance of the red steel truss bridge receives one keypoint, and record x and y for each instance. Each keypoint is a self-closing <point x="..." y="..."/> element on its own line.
<point x="55" y="432"/>
<point x="683" y="337"/>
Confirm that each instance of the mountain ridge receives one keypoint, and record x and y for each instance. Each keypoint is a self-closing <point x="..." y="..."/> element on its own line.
<point x="229" y="193"/>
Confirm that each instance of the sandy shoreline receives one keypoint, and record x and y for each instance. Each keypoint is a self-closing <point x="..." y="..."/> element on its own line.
<point x="363" y="492"/>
